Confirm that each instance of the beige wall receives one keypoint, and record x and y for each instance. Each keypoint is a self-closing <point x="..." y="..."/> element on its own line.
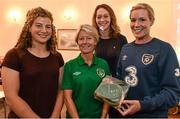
<point x="166" y="13"/>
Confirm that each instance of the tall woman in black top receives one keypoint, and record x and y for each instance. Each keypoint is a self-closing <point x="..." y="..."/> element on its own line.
<point x="111" y="41"/>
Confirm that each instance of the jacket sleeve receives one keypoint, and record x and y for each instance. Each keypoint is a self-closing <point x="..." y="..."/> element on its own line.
<point x="169" y="71"/>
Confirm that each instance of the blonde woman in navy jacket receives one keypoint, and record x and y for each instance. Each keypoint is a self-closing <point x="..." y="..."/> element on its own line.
<point x="150" y="66"/>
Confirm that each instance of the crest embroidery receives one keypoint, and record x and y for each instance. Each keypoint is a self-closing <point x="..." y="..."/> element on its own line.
<point x="147" y="59"/>
<point x="100" y="72"/>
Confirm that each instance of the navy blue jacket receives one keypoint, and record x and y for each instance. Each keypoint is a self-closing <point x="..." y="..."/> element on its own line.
<point x="152" y="70"/>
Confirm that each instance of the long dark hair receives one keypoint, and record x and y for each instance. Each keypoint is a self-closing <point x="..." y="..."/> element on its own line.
<point x="114" y="28"/>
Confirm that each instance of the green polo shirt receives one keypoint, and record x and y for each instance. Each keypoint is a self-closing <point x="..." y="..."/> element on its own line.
<point x="83" y="81"/>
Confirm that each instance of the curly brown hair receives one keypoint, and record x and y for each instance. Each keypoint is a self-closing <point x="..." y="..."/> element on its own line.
<point x="114" y="28"/>
<point x="25" y="38"/>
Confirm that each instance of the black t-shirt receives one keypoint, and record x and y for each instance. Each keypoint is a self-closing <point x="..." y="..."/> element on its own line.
<point x="109" y="49"/>
<point x="38" y="79"/>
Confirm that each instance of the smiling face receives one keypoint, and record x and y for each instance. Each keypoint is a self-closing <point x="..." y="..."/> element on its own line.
<point x="103" y="19"/>
<point x="140" y="24"/>
<point x="41" y="30"/>
<point x="86" y="42"/>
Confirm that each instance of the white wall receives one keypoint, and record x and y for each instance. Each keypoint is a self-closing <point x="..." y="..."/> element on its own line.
<point x="164" y="27"/>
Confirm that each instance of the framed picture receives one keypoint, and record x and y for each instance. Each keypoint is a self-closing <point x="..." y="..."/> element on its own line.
<point x="66" y="39"/>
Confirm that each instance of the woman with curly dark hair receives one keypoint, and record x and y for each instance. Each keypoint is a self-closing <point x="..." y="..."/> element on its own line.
<point x="31" y="70"/>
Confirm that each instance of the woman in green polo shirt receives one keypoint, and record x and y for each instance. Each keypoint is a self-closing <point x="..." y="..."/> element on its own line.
<point x="82" y="76"/>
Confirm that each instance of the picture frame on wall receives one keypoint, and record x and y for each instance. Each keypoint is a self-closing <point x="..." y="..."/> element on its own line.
<point x="66" y="39"/>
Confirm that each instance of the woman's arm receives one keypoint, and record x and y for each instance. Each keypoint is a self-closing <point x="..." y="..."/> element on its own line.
<point x="11" y="85"/>
<point x="58" y="106"/>
<point x="60" y="101"/>
<point x="71" y="108"/>
<point x="105" y="110"/>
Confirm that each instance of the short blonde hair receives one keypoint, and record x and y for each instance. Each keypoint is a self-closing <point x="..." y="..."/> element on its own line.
<point x="89" y="29"/>
<point x="146" y="7"/>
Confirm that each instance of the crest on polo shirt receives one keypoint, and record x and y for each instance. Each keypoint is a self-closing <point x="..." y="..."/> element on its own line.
<point x="147" y="59"/>
<point x="100" y="72"/>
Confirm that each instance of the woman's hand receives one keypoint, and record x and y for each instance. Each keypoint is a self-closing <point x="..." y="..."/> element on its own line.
<point x="129" y="107"/>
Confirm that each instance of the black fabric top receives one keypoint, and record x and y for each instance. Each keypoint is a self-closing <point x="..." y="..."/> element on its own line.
<point x="109" y="49"/>
<point x="38" y="79"/>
